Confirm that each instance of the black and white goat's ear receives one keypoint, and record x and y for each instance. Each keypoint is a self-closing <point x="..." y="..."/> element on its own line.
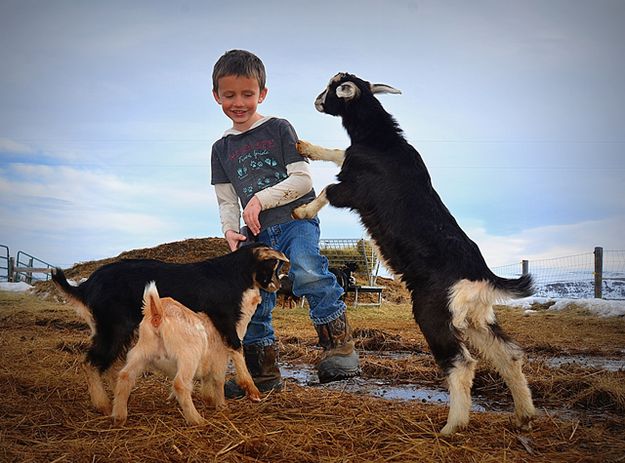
<point x="267" y="253"/>
<point x="383" y="88"/>
<point x="347" y="91"/>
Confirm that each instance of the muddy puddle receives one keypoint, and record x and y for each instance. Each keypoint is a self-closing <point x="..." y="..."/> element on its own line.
<point x="583" y="361"/>
<point x="306" y="375"/>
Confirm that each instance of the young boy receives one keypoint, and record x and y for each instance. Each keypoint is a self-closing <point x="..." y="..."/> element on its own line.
<point x="256" y="163"/>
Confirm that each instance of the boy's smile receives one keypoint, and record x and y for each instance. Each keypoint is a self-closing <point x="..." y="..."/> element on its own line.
<point x="239" y="98"/>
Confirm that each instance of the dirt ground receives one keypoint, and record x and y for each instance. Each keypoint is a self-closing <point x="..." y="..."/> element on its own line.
<point x="45" y="413"/>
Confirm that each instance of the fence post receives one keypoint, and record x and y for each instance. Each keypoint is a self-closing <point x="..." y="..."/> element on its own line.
<point x="598" y="272"/>
<point x="10" y="269"/>
<point x="29" y="275"/>
<point x="525" y="267"/>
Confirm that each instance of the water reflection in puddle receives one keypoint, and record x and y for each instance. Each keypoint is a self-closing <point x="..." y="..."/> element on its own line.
<point x="306" y="376"/>
<point x="584" y="361"/>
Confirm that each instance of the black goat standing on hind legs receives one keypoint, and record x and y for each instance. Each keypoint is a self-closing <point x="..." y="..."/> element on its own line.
<point x="384" y="179"/>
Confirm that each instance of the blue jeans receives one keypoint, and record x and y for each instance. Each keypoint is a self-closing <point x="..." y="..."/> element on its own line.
<point x="299" y="240"/>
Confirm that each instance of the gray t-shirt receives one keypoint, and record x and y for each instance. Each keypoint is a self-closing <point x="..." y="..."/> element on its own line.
<point x="254" y="160"/>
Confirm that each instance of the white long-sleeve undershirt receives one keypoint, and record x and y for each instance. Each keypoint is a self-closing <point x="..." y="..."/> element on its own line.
<point x="296" y="185"/>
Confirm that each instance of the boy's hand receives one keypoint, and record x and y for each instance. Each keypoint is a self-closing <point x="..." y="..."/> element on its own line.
<point x="251" y="213"/>
<point x="233" y="238"/>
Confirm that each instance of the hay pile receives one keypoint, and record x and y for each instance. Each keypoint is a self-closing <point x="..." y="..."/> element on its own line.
<point x="197" y="249"/>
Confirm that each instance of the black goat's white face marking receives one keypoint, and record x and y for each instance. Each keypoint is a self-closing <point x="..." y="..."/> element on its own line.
<point x="321" y="99"/>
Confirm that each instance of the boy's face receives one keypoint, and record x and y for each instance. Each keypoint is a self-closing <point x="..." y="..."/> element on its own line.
<point x="239" y="97"/>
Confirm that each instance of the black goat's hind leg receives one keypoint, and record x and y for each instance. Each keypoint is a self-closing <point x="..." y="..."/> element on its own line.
<point x="454" y="359"/>
<point x="507" y="358"/>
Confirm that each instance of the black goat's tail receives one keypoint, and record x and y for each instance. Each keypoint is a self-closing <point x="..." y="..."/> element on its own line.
<point x="515" y="288"/>
<point x="58" y="277"/>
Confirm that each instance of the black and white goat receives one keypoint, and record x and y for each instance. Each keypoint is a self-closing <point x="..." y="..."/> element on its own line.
<point x="226" y="289"/>
<point x="286" y="291"/>
<point x="384" y="179"/>
<point x="344" y="277"/>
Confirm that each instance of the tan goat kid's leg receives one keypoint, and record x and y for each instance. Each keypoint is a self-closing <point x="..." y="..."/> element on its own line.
<point x="125" y="382"/>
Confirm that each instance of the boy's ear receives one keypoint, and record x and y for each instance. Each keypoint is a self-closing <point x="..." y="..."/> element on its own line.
<point x="263" y="95"/>
<point x="216" y="96"/>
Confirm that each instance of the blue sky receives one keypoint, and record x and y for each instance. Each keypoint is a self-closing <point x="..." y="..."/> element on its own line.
<point x="107" y="119"/>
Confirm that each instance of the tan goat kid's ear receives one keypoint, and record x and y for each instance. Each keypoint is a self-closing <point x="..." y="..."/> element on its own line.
<point x="348" y="91"/>
<point x="268" y="253"/>
<point x="383" y="88"/>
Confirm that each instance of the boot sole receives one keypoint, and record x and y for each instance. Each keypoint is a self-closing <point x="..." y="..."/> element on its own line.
<point x="338" y="375"/>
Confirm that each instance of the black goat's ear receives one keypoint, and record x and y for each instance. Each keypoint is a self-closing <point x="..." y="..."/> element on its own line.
<point x="347" y="91"/>
<point x="264" y="253"/>
<point x="383" y="88"/>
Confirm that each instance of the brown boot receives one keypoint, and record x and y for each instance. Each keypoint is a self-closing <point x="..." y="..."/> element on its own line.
<point x="339" y="359"/>
<point x="262" y="363"/>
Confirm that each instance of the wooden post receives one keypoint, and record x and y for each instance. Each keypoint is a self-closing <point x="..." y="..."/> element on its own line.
<point x="11" y="269"/>
<point x="525" y="267"/>
<point x="29" y="275"/>
<point x="598" y="272"/>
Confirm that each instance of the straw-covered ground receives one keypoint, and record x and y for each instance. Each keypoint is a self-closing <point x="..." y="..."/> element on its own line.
<point x="45" y="413"/>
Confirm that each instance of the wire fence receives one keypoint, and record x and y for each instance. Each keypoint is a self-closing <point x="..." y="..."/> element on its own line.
<point x="577" y="276"/>
<point x="593" y="274"/>
<point x="4" y="263"/>
<point x="23" y="267"/>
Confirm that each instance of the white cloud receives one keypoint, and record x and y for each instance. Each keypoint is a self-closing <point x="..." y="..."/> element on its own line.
<point x="549" y="241"/>
<point x="65" y="214"/>
<point x="9" y="146"/>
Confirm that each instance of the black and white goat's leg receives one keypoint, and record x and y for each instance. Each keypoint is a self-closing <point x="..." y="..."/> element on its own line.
<point x="507" y="358"/>
<point x="336" y="194"/>
<point x="453" y="358"/>
<point x="318" y="153"/>
<point x="311" y="209"/>
<point x="471" y="307"/>
<point x="459" y="381"/>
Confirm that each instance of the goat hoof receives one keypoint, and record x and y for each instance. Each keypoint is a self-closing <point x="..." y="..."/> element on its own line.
<point x="300" y="213"/>
<point x="524" y="423"/>
<point x="303" y="147"/>
<point x="197" y="421"/>
<point x="448" y="430"/>
<point x="119" y="420"/>
<point x="452" y="428"/>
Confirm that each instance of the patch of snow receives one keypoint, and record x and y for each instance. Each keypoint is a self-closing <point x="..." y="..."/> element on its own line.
<point x="600" y="307"/>
<point x="19" y="287"/>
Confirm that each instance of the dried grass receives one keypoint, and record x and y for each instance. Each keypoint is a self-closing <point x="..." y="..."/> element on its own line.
<point x="45" y="413"/>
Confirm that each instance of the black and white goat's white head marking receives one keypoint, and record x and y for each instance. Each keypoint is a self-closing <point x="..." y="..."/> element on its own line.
<point x="269" y="263"/>
<point x="345" y="88"/>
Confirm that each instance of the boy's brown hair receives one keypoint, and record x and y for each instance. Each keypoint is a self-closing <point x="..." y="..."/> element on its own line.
<point x="239" y="63"/>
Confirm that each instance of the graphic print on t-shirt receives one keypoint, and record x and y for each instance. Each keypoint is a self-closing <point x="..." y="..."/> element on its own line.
<point x="256" y="168"/>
